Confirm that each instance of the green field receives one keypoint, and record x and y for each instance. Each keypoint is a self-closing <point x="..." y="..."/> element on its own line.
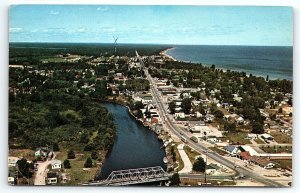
<point x="54" y="59"/>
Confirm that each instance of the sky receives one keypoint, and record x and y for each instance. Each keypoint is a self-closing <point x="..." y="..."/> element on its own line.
<point x="188" y="25"/>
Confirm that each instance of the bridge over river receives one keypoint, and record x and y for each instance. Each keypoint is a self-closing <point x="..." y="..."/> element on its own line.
<point x="132" y="176"/>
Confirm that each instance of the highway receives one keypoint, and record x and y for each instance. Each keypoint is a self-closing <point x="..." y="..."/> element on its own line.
<point x="240" y="170"/>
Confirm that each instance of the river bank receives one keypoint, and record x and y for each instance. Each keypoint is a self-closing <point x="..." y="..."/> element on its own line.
<point x="136" y="146"/>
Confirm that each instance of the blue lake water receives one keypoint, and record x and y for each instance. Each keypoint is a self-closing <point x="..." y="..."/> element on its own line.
<point x="275" y="61"/>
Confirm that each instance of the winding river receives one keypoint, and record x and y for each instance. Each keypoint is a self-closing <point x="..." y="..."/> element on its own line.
<point x="135" y="147"/>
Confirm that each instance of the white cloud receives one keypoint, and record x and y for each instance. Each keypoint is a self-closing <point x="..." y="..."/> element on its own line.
<point x="107" y="29"/>
<point x="15" y="29"/>
<point x="102" y="8"/>
<point x="52" y="12"/>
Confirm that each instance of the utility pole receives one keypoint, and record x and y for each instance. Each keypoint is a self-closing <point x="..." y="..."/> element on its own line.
<point x="205" y="168"/>
<point x="205" y="178"/>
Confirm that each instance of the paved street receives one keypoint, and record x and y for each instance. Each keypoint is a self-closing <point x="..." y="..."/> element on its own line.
<point x="186" y="161"/>
<point x="199" y="147"/>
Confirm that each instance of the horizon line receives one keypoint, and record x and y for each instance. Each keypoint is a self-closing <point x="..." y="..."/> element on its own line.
<point x="155" y="44"/>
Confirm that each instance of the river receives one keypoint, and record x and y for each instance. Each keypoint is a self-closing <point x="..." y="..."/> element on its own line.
<point x="135" y="146"/>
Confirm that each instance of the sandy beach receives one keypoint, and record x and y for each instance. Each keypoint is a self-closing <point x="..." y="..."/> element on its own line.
<point x="164" y="53"/>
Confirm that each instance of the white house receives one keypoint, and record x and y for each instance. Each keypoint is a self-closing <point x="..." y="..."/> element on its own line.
<point x="232" y="150"/>
<point x="200" y="129"/>
<point x="209" y="118"/>
<point x="211" y="169"/>
<point x="146" y="99"/>
<point x="11" y="180"/>
<point x="179" y="115"/>
<point x="51" y="178"/>
<point x="240" y="120"/>
<point x="266" y="136"/>
<point x="12" y="161"/>
<point x="249" y="149"/>
<point x="55" y="164"/>
<point x="251" y="136"/>
<point x="198" y="114"/>
<point x="212" y="140"/>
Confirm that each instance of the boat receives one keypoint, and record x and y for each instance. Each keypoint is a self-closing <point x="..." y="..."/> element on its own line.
<point x="165" y="160"/>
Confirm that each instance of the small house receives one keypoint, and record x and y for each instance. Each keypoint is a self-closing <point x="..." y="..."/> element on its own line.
<point x="232" y="150"/>
<point x="240" y="120"/>
<point x="180" y="115"/>
<point x="51" y="178"/>
<point x="146" y="99"/>
<point x="211" y="169"/>
<point x="56" y="164"/>
<point x="251" y="136"/>
<point x="266" y="137"/>
<point x="12" y="161"/>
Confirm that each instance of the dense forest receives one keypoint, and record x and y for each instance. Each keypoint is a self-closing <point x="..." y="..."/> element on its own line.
<point x="25" y="52"/>
<point x="45" y="110"/>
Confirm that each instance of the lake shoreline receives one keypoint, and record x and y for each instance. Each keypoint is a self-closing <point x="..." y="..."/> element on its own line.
<point x="173" y="58"/>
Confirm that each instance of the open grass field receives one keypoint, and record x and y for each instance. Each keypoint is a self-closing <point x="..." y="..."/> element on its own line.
<point x="54" y="59"/>
<point x="236" y="138"/>
<point x="281" y="137"/>
<point x="259" y="141"/>
<point x="26" y="153"/>
<point x="284" y="163"/>
<point x="276" y="149"/>
<point x="77" y="172"/>
<point x="192" y="154"/>
<point x="218" y="150"/>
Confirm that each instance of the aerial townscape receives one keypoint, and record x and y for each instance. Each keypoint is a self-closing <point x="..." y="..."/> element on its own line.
<point x="116" y="114"/>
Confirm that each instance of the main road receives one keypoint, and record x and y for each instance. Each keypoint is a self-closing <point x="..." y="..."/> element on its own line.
<point x="197" y="146"/>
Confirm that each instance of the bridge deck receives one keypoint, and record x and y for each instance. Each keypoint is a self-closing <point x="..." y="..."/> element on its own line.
<point x="132" y="176"/>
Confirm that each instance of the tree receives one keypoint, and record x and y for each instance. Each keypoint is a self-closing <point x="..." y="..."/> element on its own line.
<point x="139" y="114"/>
<point x="88" y="163"/>
<point x="219" y="114"/>
<point x="279" y="97"/>
<point x="186" y="105"/>
<point x="213" y="67"/>
<point x="172" y="107"/>
<point x="90" y="146"/>
<point x="290" y="102"/>
<point x="25" y="168"/>
<point x="55" y="147"/>
<point x="84" y="138"/>
<point x="199" y="165"/>
<point x="257" y="128"/>
<point x="138" y="105"/>
<point x="94" y="155"/>
<point x="71" y="154"/>
<point x="173" y="153"/>
<point x="175" y="180"/>
<point x="67" y="164"/>
<point x="231" y="127"/>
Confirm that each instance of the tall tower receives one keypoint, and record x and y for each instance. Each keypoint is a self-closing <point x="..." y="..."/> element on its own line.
<point x="115" y="43"/>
